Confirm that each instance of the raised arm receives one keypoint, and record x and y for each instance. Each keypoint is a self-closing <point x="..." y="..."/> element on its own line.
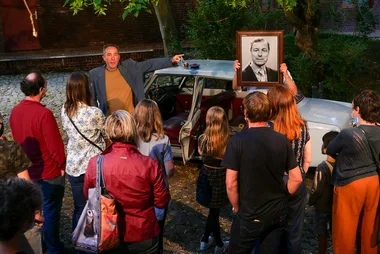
<point x="288" y="80"/>
<point x="234" y="81"/>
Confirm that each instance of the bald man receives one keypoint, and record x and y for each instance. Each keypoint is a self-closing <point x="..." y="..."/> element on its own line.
<point x="35" y="129"/>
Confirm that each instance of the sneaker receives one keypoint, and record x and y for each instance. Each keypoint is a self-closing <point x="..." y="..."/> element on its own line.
<point x="223" y="249"/>
<point x="205" y="246"/>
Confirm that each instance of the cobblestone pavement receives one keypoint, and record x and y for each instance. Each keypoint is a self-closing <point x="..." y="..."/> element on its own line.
<point x="186" y="220"/>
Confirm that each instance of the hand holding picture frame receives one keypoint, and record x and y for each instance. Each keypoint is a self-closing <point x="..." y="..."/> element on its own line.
<point x="260" y="54"/>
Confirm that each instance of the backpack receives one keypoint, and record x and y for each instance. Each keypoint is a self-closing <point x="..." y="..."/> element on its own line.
<point x="319" y="181"/>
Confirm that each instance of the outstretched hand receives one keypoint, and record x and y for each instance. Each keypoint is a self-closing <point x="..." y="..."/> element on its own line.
<point x="177" y="58"/>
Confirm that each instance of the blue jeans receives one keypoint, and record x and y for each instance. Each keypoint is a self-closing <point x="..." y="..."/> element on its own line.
<point x="78" y="196"/>
<point x="52" y="191"/>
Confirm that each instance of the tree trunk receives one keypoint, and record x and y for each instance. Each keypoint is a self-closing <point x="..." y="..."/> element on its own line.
<point x="167" y="26"/>
<point x="305" y="18"/>
<point x="306" y="41"/>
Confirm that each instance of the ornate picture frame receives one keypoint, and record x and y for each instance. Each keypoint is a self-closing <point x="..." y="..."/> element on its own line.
<point x="260" y="54"/>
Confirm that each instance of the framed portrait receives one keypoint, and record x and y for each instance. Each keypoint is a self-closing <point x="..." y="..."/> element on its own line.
<point x="260" y="54"/>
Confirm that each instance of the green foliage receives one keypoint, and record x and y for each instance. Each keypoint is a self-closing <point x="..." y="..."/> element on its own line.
<point x="100" y="6"/>
<point x="212" y="27"/>
<point x="341" y="58"/>
<point x="365" y="20"/>
<point x="288" y="4"/>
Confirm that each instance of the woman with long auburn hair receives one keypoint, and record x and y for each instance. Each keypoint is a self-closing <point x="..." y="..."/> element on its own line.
<point x="211" y="182"/>
<point x="83" y="124"/>
<point x="287" y="121"/>
<point x="154" y="143"/>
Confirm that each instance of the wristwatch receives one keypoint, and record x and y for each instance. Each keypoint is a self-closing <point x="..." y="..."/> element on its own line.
<point x="233" y="210"/>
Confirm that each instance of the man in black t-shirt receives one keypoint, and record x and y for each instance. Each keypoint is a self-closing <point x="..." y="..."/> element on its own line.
<point x="256" y="160"/>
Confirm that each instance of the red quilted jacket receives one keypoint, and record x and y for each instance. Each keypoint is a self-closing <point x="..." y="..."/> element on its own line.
<point x="137" y="184"/>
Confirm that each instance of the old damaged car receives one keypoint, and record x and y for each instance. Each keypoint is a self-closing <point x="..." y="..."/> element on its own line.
<point x="185" y="94"/>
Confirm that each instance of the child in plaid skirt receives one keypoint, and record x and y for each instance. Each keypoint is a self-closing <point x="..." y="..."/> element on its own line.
<point x="211" y="182"/>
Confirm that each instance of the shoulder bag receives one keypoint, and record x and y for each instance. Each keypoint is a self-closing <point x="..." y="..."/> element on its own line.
<point x="97" y="229"/>
<point x="373" y="151"/>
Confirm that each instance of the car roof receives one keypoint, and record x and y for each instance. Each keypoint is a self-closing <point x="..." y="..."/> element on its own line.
<point x="218" y="69"/>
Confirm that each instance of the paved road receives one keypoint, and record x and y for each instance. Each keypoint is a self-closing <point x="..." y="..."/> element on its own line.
<point x="186" y="220"/>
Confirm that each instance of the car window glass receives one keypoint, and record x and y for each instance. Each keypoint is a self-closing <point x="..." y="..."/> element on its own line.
<point x="215" y="84"/>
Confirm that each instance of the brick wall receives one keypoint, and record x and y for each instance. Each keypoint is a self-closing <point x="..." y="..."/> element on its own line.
<point x="343" y="19"/>
<point x="60" y="29"/>
<point x="1" y="33"/>
<point x="83" y="63"/>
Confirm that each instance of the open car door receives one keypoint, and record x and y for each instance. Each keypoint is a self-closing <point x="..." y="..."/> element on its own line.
<point x="187" y="137"/>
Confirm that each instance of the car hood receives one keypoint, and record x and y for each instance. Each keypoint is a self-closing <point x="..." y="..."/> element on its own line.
<point x="327" y="112"/>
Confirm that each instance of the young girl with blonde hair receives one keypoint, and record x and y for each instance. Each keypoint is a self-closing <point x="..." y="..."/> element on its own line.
<point x="154" y="143"/>
<point x="211" y="182"/>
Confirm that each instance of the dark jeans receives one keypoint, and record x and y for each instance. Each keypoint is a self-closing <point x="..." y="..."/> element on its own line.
<point x="78" y="196"/>
<point x="161" y="224"/>
<point x="52" y="191"/>
<point x="291" y="243"/>
<point x="263" y="236"/>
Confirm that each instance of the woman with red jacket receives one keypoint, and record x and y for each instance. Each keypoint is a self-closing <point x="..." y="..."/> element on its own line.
<point x="135" y="181"/>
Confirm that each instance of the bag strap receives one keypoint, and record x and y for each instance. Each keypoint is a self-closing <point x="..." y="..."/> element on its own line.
<point x="89" y="141"/>
<point x="329" y="165"/>
<point x="373" y="151"/>
<point x="100" y="174"/>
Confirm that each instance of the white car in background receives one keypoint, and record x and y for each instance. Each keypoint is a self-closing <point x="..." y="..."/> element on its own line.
<point x="184" y="95"/>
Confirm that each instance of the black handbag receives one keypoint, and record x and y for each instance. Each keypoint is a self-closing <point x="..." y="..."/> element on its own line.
<point x="204" y="189"/>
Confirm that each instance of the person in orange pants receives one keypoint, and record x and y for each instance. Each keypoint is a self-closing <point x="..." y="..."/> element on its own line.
<point x="356" y="180"/>
<point x="354" y="202"/>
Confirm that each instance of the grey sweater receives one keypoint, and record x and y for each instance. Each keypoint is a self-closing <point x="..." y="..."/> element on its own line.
<point x="353" y="155"/>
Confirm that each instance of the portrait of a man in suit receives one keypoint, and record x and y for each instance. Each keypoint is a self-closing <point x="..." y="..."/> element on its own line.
<point x="256" y="70"/>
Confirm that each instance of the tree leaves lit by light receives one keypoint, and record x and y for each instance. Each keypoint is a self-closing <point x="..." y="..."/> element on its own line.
<point x="100" y="6"/>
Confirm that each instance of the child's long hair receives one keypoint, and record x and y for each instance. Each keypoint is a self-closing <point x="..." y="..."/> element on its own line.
<point x="77" y="90"/>
<point x="216" y="134"/>
<point x="148" y="120"/>
<point x="285" y="115"/>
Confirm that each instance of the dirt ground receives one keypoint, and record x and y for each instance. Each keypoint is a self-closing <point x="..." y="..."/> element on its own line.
<point x="185" y="222"/>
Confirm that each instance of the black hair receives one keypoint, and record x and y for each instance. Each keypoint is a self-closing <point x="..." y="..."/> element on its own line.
<point x="32" y="83"/>
<point x="19" y="201"/>
<point x="328" y="137"/>
<point x="369" y="105"/>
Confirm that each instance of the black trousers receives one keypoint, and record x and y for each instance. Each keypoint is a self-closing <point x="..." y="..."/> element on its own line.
<point x="292" y="240"/>
<point x="263" y="236"/>
<point x="213" y="226"/>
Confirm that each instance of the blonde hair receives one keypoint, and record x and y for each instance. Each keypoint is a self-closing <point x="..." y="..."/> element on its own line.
<point x="215" y="137"/>
<point x="120" y="127"/>
<point x="148" y="120"/>
<point x="285" y="115"/>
